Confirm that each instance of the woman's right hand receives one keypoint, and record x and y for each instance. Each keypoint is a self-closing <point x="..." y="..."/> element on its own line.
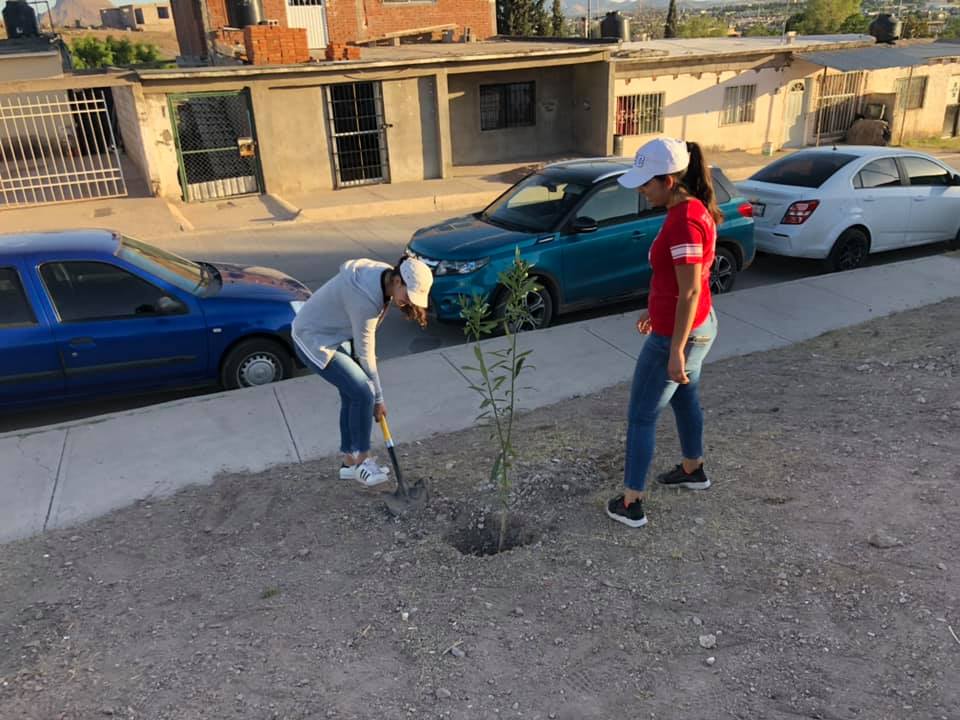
<point x="644" y="326"/>
<point x="379" y="412"/>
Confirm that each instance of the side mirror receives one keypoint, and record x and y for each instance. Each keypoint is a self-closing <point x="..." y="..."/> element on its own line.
<point x="169" y="306"/>
<point x="956" y="180"/>
<point x="584" y="225"/>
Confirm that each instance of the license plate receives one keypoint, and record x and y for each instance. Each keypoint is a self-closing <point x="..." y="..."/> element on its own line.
<point x="758" y="209"/>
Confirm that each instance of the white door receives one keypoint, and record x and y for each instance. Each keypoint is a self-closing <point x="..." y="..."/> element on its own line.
<point x="312" y="16"/>
<point x="885" y="203"/>
<point x="934" y="201"/>
<point x="795" y="119"/>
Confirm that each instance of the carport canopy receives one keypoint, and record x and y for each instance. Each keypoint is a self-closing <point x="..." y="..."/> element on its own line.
<point x="879" y="57"/>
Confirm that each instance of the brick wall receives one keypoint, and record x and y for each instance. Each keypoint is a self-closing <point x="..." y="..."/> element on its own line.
<point x="266" y="45"/>
<point x="375" y="18"/>
<point x="220" y="17"/>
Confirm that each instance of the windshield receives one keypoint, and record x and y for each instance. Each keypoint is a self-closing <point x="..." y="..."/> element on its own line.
<point x="803" y="169"/>
<point x="536" y="204"/>
<point x="177" y="271"/>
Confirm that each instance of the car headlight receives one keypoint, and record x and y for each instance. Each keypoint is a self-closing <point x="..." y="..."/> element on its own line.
<point x="296" y="305"/>
<point x="461" y="267"/>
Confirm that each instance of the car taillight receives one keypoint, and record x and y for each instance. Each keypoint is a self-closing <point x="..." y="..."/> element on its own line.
<point x="746" y="210"/>
<point x="799" y="212"/>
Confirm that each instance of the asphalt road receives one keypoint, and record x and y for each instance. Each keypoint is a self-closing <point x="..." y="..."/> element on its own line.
<point x="312" y="253"/>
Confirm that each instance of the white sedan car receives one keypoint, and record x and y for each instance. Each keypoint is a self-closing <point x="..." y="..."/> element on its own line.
<point x="840" y="203"/>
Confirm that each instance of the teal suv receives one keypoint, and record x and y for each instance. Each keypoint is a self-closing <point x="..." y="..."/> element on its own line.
<point x="586" y="236"/>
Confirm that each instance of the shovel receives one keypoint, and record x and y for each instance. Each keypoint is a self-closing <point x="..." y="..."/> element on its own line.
<point x="406" y="497"/>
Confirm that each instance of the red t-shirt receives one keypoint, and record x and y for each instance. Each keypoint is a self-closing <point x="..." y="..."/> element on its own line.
<point x="688" y="237"/>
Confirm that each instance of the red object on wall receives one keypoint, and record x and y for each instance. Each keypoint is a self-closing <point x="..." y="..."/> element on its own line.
<point x="266" y="45"/>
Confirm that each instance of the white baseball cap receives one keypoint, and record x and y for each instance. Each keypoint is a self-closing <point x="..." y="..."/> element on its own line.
<point x="662" y="156"/>
<point x="418" y="279"/>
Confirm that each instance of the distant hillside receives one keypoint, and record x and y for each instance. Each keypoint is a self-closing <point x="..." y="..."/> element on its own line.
<point x="67" y="13"/>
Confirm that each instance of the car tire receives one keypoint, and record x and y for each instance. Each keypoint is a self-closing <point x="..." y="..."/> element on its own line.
<point x="849" y="251"/>
<point x="540" y="304"/>
<point x="955" y="243"/>
<point x="257" y="361"/>
<point x="723" y="273"/>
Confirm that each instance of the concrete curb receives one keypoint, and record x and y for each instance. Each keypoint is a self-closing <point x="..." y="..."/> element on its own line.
<point x="61" y="475"/>
<point x="406" y="206"/>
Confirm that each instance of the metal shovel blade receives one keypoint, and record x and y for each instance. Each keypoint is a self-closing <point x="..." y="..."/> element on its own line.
<point x="415" y="499"/>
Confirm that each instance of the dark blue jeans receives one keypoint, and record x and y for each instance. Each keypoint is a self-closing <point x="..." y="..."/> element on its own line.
<point x="651" y="392"/>
<point x="356" y="398"/>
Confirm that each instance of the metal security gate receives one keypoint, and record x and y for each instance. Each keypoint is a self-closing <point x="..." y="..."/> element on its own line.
<point x="358" y="134"/>
<point x="216" y="146"/>
<point x="58" y="147"/>
<point x="838" y="102"/>
<point x="312" y="16"/>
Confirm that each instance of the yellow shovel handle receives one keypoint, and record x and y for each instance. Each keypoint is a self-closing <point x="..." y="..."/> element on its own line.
<point x="387" y="437"/>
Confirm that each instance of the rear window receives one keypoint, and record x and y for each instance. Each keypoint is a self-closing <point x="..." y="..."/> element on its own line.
<point x="14" y="309"/>
<point x="803" y="169"/>
<point x="721" y="186"/>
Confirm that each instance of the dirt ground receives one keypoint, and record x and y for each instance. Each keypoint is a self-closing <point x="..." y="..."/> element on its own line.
<point x="823" y="564"/>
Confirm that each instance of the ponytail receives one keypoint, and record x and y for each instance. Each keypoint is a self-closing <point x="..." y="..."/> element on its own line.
<point x="699" y="183"/>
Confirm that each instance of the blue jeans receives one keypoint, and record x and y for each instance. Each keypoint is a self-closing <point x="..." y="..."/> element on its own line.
<point x="652" y="390"/>
<point x="356" y="398"/>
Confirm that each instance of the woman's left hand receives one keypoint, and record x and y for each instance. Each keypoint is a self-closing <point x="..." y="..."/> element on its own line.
<point x="677" y="367"/>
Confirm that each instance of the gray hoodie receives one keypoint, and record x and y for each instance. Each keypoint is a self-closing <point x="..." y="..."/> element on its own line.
<point x="348" y="306"/>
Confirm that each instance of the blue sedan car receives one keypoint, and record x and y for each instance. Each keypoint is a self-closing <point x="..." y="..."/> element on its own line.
<point x="587" y="237"/>
<point x="91" y="312"/>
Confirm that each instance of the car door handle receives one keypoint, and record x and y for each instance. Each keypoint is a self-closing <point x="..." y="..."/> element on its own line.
<point x="919" y="198"/>
<point x="81" y="342"/>
<point x="869" y="198"/>
<point x="637" y="235"/>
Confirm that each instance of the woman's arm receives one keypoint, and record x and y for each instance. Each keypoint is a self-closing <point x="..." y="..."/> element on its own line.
<point x="365" y="347"/>
<point x="689" y="283"/>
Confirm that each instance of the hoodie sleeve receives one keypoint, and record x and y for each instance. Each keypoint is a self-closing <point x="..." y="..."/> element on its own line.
<point x="365" y="347"/>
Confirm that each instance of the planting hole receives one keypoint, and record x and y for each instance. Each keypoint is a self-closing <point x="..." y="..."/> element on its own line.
<point x="482" y="539"/>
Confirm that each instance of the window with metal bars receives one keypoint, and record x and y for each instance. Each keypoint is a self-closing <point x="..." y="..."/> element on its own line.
<point x="507" y="106"/>
<point x="738" y="104"/>
<point x="640" y="114"/>
<point x="911" y="92"/>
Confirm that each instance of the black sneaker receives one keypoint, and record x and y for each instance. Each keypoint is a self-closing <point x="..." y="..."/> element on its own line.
<point x="631" y="515"/>
<point x="678" y="477"/>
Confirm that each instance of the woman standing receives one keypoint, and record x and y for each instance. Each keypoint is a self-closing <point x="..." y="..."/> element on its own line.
<point x="334" y="335"/>
<point x="679" y="321"/>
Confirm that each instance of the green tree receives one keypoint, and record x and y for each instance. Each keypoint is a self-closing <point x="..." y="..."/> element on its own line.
<point x="951" y="31"/>
<point x="541" y="19"/>
<point x="759" y="31"/>
<point x="146" y="53"/>
<point x="670" y="27"/>
<point x="701" y="26"/>
<point x="856" y="23"/>
<point x="556" y="19"/>
<point x="823" y="17"/>
<point x="88" y="52"/>
<point x="122" y="49"/>
<point x="796" y="23"/>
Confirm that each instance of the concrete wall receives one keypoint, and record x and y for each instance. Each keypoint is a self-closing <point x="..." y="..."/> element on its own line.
<point x="31" y="66"/>
<point x="926" y="121"/>
<point x="551" y="135"/>
<point x="593" y="109"/>
<point x="294" y="152"/>
<point x="159" y="147"/>
<point x="132" y="120"/>
<point x="413" y="141"/>
<point x="693" y="105"/>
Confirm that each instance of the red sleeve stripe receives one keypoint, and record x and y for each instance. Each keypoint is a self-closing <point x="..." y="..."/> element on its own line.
<point x="685" y="252"/>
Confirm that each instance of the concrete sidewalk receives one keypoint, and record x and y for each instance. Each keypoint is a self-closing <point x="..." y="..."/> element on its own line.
<point x="58" y="476"/>
<point x="471" y="188"/>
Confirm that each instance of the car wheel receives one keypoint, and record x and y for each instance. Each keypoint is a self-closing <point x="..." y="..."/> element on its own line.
<point x="723" y="274"/>
<point x="539" y="304"/>
<point x="258" y="361"/>
<point x="955" y="243"/>
<point x="849" y="251"/>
